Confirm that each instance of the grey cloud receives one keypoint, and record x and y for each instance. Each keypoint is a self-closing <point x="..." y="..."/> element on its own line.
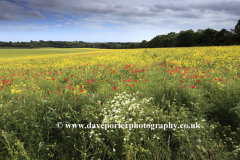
<point x="12" y="11"/>
<point x="136" y="9"/>
<point x="124" y="13"/>
<point x="231" y="7"/>
<point x="58" y="16"/>
<point x="82" y="7"/>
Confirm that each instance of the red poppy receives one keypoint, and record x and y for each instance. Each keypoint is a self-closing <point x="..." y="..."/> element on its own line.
<point x="71" y="75"/>
<point x="114" y="88"/>
<point x="53" y="79"/>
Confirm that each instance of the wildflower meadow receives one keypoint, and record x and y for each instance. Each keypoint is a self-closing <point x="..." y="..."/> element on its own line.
<point x="197" y="85"/>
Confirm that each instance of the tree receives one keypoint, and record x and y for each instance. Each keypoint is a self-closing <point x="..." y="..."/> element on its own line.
<point x="143" y="44"/>
<point x="223" y="37"/>
<point x="208" y="36"/>
<point x="185" y="38"/>
<point x="237" y="27"/>
<point x="10" y="43"/>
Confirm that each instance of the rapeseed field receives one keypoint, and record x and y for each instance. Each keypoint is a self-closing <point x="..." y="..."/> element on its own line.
<point x="197" y="85"/>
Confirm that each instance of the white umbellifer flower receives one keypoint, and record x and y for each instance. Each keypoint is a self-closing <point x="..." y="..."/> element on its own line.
<point x="114" y="150"/>
<point x="123" y="118"/>
<point x="203" y="120"/>
<point x="117" y="104"/>
<point x="130" y="119"/>
<point x="97" y="139"/>
<point x="127" y="102"/>
<point x="130" y="108"/>
<point x="116" y="117"/>
<point x="118" y="111"/>
<point x="141" y="139"/>
<point x="92" y="132"/>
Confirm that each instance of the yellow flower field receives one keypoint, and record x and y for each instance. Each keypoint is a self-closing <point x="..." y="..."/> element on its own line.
<point x="78" y="87"/>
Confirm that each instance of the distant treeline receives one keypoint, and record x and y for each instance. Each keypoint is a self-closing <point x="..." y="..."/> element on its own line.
<point x="188" y="38"/>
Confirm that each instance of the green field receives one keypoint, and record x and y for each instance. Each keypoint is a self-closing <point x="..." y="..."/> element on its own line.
<point x="20" y="53"/>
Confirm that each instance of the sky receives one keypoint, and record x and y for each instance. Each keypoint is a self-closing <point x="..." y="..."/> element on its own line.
<point x="111" y="20"/>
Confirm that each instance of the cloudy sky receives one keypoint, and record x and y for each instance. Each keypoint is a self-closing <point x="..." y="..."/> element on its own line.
<point x="111" y="20"/>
